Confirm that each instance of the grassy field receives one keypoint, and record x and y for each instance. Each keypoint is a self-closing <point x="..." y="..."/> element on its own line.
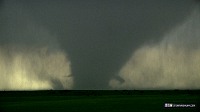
<point x="98" y="101"/>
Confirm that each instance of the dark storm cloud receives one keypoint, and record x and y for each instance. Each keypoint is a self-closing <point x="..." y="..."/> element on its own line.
<point x="100" y="36"/>
<point x="173" y="63"/>
<point x="30" y="55"/>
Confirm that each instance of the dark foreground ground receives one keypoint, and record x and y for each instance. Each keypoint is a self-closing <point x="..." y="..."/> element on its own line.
<point x="99" y="101"/>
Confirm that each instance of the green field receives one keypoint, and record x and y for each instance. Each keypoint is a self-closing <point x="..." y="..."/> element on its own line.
<point x="98" y="101"/>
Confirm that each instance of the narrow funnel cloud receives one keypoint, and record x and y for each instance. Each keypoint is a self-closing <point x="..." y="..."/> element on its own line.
<point x="173" y="63"/>
<point x="30" y="56"/>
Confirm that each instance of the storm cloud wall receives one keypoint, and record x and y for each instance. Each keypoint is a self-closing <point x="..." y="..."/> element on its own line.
<point x="97" y="37"/>
<point x="172" y="63"/>
<point x="30" y="56"/>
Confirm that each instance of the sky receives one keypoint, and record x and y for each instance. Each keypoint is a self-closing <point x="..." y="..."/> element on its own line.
<point x="99" y="44"/>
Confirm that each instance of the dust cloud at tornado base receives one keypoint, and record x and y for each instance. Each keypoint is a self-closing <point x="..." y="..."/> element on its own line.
<point x="33" y="69"/>
<point x="173" y="63"/>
